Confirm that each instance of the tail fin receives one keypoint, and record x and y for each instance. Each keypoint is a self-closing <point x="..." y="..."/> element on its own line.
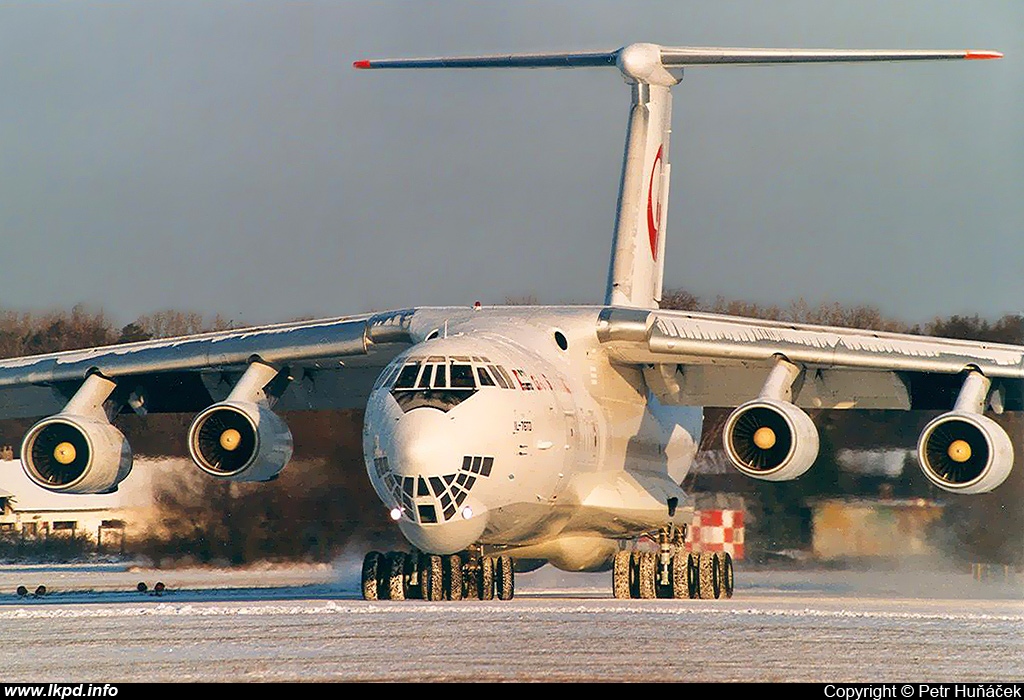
<point x="638" y="247"/>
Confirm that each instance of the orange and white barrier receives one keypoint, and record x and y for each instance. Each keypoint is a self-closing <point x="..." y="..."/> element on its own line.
<point x="716" y="531"/>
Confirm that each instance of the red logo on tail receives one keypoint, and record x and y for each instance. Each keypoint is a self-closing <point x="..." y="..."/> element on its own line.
<point x="654" y="212"/>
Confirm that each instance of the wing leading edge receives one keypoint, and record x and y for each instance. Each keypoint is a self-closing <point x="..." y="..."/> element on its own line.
<point x="182" y="373"/>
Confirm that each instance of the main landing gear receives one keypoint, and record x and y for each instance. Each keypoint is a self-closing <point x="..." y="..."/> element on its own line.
<point x="416" y="576"/>
<point x="672" y="572"/>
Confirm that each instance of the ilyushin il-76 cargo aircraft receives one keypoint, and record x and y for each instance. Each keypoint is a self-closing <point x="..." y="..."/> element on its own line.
<point x="502" y="438"/>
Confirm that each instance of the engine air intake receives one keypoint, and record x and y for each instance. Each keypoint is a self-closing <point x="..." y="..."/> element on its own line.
<point x="60" y="454"/>
<point x="761" y="439"/>
<point x="240" y="441"/>
<point x="226" y="441"/>
<point x="770" y="439"/>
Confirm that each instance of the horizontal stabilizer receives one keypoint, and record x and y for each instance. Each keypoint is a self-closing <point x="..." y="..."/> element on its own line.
<point x="687" y="56"/>
<point x="673" y="56"/>
<point x="535" y="60"/>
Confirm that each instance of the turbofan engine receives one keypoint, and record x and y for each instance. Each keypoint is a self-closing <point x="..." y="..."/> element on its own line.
<point x="965" y="452"/>
<point x="240" y="441"/>
<point x="78" y="450"/>
<point x="76" y="454"/>
<point x="770" y="439"/>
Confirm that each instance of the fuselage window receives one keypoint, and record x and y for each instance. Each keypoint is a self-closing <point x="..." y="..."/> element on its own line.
<point x="484" y="377"/>
<point x="462" y="377"/>
<point x="407" y="377"/>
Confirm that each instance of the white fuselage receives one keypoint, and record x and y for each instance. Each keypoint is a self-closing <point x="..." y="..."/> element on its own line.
<point x="507" y="427"/>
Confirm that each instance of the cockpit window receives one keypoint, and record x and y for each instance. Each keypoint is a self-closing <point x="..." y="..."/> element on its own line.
<point x="462" y="377"/>
<point x="387" y="376"/>
<point x="436" y="382"/>
<point x="440" y="377"/>
<point x="407" y="377"/>
<point x="424" y="381"/>
<point x="498" y="378"/>
<point x="504" y="375"/>
<point x="484" y="377"/>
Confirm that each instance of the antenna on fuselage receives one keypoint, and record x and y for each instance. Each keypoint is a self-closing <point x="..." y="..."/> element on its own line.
<point x="638" y="247"/>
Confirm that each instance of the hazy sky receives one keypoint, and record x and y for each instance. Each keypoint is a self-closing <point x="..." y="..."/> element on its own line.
<point x="224" y="157"/>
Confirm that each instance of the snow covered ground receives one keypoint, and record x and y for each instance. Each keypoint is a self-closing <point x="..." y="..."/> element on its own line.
<point x="307" y="623"/>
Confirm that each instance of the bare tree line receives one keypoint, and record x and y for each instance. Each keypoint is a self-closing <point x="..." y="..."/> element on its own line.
<point x="28" y="333"/>
<point x="1006" y="329"/>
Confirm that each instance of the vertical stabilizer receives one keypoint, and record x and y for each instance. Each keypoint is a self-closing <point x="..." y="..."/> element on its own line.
<point x="638" y="246"/>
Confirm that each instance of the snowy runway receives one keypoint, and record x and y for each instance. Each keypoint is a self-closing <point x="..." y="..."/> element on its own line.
<point x="307" y="624"/>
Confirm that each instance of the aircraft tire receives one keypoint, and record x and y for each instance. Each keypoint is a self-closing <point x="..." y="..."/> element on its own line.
<point x="396" y="575"/>
<point x="647" y="575"/>
<point x="471" y="579"/>
<point x="485" y="578"/>
<point x="505" y="578"/>
<point x="452" y="572"/>
<point x="693" y="574"/>
<point x="411" y="573"/>
<point x="620" y="574"/>
<point x="710" y="584"/>
<point x="634" y="574"/>
<point x="372" y="564"/>
<point x="432" y="576"/>
<point x="680" y="565"/>
<point x="726" y="575"/>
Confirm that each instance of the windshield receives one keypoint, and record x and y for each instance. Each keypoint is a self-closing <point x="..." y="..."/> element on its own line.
<point x="442" y="382"/>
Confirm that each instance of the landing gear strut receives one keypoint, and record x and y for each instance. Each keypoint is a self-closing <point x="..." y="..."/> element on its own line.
<point x="401" y="576"/>
<point x="672" y="572"/>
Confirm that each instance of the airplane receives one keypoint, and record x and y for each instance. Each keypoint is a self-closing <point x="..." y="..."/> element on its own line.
<point x="502" y="438"/>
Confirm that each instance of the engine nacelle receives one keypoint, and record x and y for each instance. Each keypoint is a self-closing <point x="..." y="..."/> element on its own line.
<point x="965" y="452"/>
<point x="240" y="441"/>
<point x="770" y="440"/>
<point x="68" y="453"/>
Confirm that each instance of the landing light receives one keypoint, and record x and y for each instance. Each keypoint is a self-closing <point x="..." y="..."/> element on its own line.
<point x="396" y="513"/>
<point x="467" y="513"/>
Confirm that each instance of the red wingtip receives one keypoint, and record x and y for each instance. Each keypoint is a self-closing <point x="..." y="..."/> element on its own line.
<point x="361" y="64"/>
<point x="970" y="55"/>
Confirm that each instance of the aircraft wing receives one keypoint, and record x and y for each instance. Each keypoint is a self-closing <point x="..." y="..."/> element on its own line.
<point x="333" y="364"/>
<point x="704" y="359"/>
